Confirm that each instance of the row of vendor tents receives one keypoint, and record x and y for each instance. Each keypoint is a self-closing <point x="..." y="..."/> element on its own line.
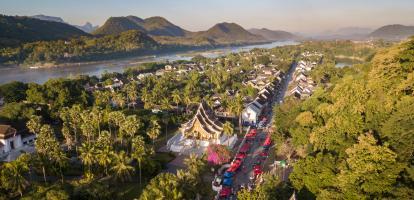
<point x="228" y="175"/>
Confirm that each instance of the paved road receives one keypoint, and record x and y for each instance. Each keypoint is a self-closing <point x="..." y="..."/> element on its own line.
<point x="243" y="176"/>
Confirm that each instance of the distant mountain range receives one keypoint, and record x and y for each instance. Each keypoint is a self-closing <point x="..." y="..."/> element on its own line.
<point x="273" y="35"/>
<point x="15" y="30"/>
<point x="87" y="27"/>
<point x="393" y="32"/>
<point x="167" y="32"/>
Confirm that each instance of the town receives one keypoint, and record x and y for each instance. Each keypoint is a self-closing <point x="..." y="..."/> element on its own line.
<point x="220" y="114"/>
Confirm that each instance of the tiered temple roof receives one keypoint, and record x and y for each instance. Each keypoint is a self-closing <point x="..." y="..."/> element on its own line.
<point x="204" y="125"/>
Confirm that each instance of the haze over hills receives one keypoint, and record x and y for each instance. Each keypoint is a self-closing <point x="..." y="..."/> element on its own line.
<point x="87" y="27"/>
<point x="17" y="29"/>
<point x="273" y="35"/>
<point x="393" y="32"/>
<point x="48" y="18"/>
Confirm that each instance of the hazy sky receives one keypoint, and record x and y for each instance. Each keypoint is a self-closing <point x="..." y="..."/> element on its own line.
<point x="194" y="15"/>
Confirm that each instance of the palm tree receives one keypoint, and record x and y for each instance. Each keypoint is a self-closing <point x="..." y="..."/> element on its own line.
<point x="60" y="159"/>
<point x="129" y="127"/>
<point x="115" y="119"/>
<point x="45" y="144"/>
<point x="75" y="121"/>
<point x="163" y="186"/>
<point x="191" y="162"/>
<point x="34" y="124"/>
<point x="104" y="157"/>
<point x="12" y="176"/>
<point x="228" y="131"/>
<point x="138" y="152"/>
<point x="165" y="103"/>
<point x="87" y="130"/>
<point x="87" y="155"/>
<point x="119" y="99"/>
<point x="154" y="131"/>
<point x="236" y="108"/>
<point x="176" y="98"/>
<point x="131" y="91"/>
<point x="96" y="118"/>
<point x="67" y="135"/>
<point x="122" y="167"/>
<point x="165" y="120"/>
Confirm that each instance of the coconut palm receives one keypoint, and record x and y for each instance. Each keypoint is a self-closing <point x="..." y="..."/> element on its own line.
<point x="60" y="159"/>
<point x="122" y="168"/>
<point x="129" y="127"/>
<point x="87" y="155"/>
<point x="69" y="140"/>
<point x="154" y="131"/>
<point x="104" y="157"/>
<point x="119" y="99"/>
<point x="45" y="144"/>
<point x="115" y="119"/>
<point x="88" y="130"/>
<point x="176" y="97"/>
<point x="139" y="151"/>
<point x="75" y="120"/>
<point x="34" y="124"/>
<point x="165" y="120"/>
<point x="193" y="164"/>
<point x="12" y="176"/>
<point x="96" y="118"/>
<point x="228" y="131"/>
<point x="236" y="108"/>
<point x="104" y="139"/>
<point x="131" y="91"/>
<point x="163" y="186"/>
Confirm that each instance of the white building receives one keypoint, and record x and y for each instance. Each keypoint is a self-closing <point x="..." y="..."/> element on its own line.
<point x="252" y="112"/>
<point x="9" y="139"/>
<point x="12" y="144"/>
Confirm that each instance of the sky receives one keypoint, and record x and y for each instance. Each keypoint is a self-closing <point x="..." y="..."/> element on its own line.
<point x="305" y="16"/>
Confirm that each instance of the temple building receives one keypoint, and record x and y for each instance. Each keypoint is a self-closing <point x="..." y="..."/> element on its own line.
<point x="196" y="134"/>
<point x="12" y="143"/>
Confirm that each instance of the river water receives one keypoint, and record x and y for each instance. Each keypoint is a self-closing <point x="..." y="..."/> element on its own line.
<point x="41" y="75"/>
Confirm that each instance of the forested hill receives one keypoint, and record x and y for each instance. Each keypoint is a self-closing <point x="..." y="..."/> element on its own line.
<point x="393" y="32"/>
<point x="230" y="33"/>
<point x="156" y="26"/>
<point x="273" y="35"/>
<point x="15" y="30"/>
<point x="354" y="137"/>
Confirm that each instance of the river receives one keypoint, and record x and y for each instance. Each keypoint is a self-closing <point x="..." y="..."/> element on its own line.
<point x="41" y="75"/>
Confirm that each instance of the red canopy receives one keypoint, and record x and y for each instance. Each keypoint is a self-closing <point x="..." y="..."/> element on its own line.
<point x="225" y="191"/>
<point x="245" y="148"/>
<point x="253" y="131"/>
<point x="241" y="155"/>
<point x="234" y="166"/>
<point x="264" y="153"/>
<point x="257" y="169"/>
<point x="268" y="141"/>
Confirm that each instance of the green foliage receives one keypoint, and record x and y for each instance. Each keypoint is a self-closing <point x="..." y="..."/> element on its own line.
<point x="13" y="91"/>
<point x="343" y="160"/>
<point x="80" y="49"/>
<point x="163" y="186"/>
<point x="17" y="29"/>
<point x="16" y="113"/>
